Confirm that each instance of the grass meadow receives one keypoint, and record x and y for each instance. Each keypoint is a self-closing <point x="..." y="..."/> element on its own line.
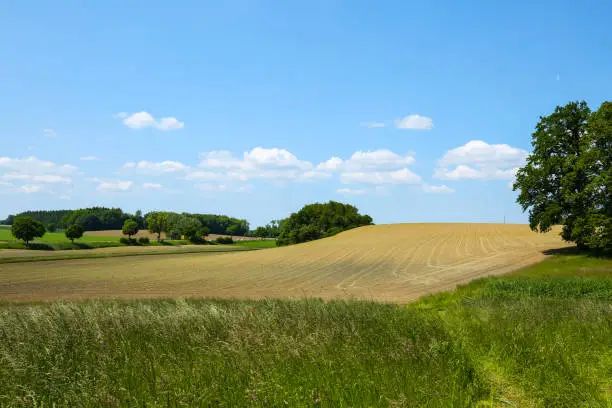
<point x="540" y="337"/>
<point x="54" y="241"/>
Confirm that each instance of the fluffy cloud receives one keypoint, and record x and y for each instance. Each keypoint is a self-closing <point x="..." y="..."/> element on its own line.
<point x="144" y="119"/>
<point x="214" y="188"/>
<point x="156" y="168"/>
<point x="351" y="191"/>
<point x="31" y="188"/>
<point x="402" y="176"/>
<point x="152" y="186"/>
<point x="28" y="175"/>
<point x="364" y="161"/>
<point x="111" y="185"/>
<point x="438" y="189"/>
<point x="259" y="163"/>
<point x="89" y="158"/>
<point x="416" y="122"/>
<point x="478" y="160"/>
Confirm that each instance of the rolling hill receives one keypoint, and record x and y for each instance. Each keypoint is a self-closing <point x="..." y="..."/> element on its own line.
<point x="396" y="262"/>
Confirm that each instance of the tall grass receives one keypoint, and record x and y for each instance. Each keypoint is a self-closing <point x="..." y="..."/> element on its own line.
<point x="527" y="339"/>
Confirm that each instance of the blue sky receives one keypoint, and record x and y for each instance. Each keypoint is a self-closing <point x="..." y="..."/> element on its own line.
<point x="413" y="111"/>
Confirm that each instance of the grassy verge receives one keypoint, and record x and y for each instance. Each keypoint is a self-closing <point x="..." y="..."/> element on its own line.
<point x="265" y="243"/>
<point x="123" y="251"/>
<point x="541" y="337"/>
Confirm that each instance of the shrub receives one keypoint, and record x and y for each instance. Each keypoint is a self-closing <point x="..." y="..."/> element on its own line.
<point x="225" y="240"/>
<point x="127" y="241"/>
<point x="143" y="241"/>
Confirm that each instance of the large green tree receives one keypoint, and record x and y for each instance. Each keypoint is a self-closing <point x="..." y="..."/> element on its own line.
<point x="157" y="223"/>
<point x="75" y="231"/>
<point x="316" y="221"/>
<point x="26" y="229"/>
<point x="567" y="179"/>
<point x="130" y="227"/>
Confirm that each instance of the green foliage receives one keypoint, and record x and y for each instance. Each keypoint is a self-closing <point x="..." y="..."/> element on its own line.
<point x="26" y="229"/>
<point x="130" y="227"/>
<point x="224" y="240"/>
<point x="316" y="221"/>
<point x="568" y="178"/>
<point x="271" y="230"/>
<point x="51" y="227"/>
<point x="157" y="223"/>
<point x="143" y="241"/>
<point x="46" y="217"/>
<point x="74" y="231"/>
<point x="221" y="224"/>
<point x="128" y="241"/>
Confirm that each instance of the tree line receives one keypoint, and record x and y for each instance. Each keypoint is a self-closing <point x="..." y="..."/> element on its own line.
<point x="102" y="218"/>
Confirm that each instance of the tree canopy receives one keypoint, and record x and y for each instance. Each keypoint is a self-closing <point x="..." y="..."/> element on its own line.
<point x="26" y="229"/>
<point x="130" y="227"/>
<point x="102" y="218"/>
<point x="568" y="178"/>
<point x="316" y="221"/>
<point x="73" y="232"/>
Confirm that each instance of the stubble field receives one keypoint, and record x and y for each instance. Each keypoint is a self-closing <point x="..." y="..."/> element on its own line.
<point x="396" y="263"/>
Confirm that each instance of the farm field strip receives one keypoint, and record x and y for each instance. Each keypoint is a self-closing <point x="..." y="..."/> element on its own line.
<point x="396" y="263"/>
<point x="21" y="255"/>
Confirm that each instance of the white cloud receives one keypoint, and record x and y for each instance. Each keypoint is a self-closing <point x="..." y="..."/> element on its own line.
<point x="112" y="186"/>
<point x="314" y="175"/>
<point x="377" y="159"/>
<point x="89" y="158"/>
<point x="49" y="133"/>
<point x="417" y="122"/>
<point x="33" y="166"/>
<point x="333" y="164"/>
<point x="156" y="168"/>
<point x="402" y="176"/>
<point x="372" y="125"/>
<point x="351" y="191"/>
<point x="144" y="119"/>
<point x="478" y="160"/>
<point x="152" y="186"/>
<point x="438" y="189"/>
<point x="213" y="188"/>
<point x="31" y="188"/>
<point x="259" y="163"/>
<point x="205" y="176"/>
<point x="26" y="174"/>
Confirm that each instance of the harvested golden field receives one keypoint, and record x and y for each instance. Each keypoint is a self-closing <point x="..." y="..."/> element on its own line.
<point x="398" y="262"/>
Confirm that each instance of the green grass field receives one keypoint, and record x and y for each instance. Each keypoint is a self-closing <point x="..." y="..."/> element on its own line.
<point x="540" y="337"/>
<point x="267" y="243"/>
<point x="52" y="237"/>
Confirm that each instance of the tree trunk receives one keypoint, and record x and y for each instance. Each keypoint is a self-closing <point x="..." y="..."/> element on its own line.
<point x="159" y="236"/>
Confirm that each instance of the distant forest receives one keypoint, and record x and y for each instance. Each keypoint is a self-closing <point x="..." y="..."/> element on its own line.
<point x="313" y="221"/>
<point x="101" y="218"/>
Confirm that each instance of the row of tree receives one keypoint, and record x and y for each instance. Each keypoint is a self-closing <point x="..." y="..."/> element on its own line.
<point x="101" y="218"/>
<point x="27" y="228"/>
